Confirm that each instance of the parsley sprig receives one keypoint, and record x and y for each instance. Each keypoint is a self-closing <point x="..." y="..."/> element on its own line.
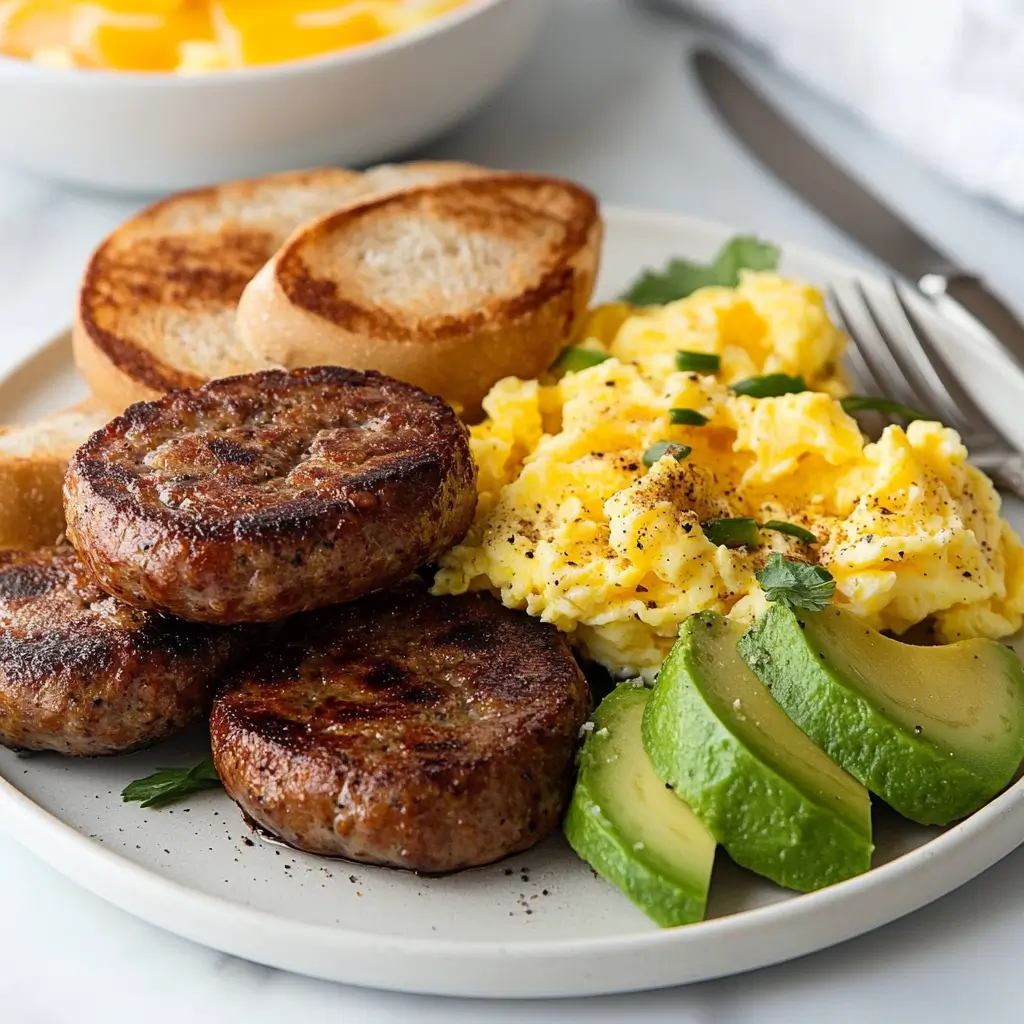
<point x="796" y="584"/>
<point x="171" y="784"/>
<point x="681" y="277"/>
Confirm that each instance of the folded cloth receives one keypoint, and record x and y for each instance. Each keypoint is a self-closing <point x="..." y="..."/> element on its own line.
<point x="945" y="78"/>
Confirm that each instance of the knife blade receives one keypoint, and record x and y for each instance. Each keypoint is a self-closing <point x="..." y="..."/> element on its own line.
<point x="814" y="176"/>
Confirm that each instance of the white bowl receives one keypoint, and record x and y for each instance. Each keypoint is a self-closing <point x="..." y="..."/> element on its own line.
<point x="157" y="132"/>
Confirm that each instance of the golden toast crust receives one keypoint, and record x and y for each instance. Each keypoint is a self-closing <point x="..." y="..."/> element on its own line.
<point x="501" y="203"/>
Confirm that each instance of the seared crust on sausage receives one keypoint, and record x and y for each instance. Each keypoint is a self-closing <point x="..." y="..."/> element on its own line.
<point x="430" y="733"/>
<point x="257" y="497"/>
<point x="83" y="673"/>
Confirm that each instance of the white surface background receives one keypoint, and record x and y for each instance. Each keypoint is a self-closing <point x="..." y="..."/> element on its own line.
<point x="605" y="99"/>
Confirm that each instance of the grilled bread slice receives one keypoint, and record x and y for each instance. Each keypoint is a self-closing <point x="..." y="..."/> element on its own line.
<point x="450" y="286"/>
<point x="33" y="459"/>
<point x="156" y="310"/>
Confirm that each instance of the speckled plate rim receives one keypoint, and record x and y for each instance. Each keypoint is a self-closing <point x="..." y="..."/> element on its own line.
<point x="729" y="945"/>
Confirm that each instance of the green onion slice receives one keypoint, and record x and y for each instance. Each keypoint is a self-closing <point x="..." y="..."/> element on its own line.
<point x="771" y="385"/>
<point x="573" y="359"/>
<point x="686" y="418"/>
<point x="864" y="403"/>
<point x="791" y="529"/>
<point x="663" y="448"/>
<point x="733" y="533"/>
<point x="697" y="362"/>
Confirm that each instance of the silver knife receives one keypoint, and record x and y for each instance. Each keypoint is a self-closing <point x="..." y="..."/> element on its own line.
<point x="788" y="154"/>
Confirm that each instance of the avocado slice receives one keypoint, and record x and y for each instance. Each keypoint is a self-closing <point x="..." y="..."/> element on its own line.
<point x="773" y="799"/>
<point x="629" y="827"/>
<point x="936" y="732"/>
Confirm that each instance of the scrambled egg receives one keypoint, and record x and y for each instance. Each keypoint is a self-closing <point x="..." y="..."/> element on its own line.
<point x="195" y="36"/>
<point x="575" y="529"/>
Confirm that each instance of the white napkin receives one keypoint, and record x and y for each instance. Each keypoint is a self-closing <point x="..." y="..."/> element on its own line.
<point x="945" y="78"/>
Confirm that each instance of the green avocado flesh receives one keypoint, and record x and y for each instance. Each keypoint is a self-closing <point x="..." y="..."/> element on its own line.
<point x="775" y="801"/>
<point x="632" y="830"/>
<point x="936" y="732"/>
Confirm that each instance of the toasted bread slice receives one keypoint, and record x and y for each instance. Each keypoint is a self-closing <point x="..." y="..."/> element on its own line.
<point x="156" y="309"/>
<point x="450" y="286"/>
<point x="33" y="460"/>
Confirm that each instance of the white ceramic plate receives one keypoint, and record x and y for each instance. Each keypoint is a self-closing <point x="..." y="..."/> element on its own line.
<point x="541" y="924"/>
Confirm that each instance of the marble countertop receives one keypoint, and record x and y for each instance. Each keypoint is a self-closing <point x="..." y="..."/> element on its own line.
<point x="605" y="98"/>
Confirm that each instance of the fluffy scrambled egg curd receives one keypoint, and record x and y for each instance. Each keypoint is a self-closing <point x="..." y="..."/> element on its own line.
<point x="573" y="527"/>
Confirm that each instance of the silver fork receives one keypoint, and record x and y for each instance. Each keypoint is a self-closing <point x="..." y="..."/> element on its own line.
<point x="895" y="357"/>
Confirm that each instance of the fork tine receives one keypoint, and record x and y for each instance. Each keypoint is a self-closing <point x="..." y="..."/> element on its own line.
<point x="862" y="370"/>
<point x="932" y="361"/>
<point x="910" y="389"/>
<point x="885" y="373"/>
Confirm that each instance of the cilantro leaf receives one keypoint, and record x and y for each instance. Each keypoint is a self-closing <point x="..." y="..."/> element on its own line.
<point x="681" y="277"/>
<point x="796" y="584"/>
<point x="170" y="784"/>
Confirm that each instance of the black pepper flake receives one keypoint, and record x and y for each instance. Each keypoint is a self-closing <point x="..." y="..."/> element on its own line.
<point x="529" y="554"/>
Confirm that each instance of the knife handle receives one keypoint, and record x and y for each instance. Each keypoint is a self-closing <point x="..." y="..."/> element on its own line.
<point x="971" y="295"/>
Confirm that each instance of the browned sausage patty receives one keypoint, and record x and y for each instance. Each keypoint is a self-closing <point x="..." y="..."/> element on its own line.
<point x="256" y="497"/>
<point x="83" y="673"/>
<point x="431" y="733"/>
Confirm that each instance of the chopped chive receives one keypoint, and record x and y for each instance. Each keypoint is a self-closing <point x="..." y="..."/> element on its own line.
<point x="864" y="403"/>
<point x="791" y="529"/>
<point x="771" y="385"/>
<point x="698" y="362"/>
<point x="573" y="359"/>
<point x="663" y="448"/>
<point x="686" y="418"/>
<point x="733" y="533"/>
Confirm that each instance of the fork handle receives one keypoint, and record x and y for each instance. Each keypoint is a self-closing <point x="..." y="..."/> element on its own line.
<point x="986" y="308"/>
<point x="1007" y="471"/>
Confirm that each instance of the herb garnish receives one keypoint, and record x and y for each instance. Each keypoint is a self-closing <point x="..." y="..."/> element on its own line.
<point x="167" y="785"/>
<point x="780" y="526"/>
<point x="686" y="418"/>
<point x="697" y="362"/>
<point x="681" y="277"/>
<point x="865" y="403"/>
<point x="740" y="532"/>
<point x="771" y="385"/>
<point x="662" y="448"/>
<point x="574" y="358"/>
<point x="796" y="584"/>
